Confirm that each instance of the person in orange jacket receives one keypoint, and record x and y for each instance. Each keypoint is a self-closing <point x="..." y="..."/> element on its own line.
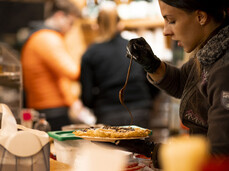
<point x="48" y="67"/>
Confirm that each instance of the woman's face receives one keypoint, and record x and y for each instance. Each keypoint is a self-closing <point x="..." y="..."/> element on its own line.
<point x="182" y="26"/>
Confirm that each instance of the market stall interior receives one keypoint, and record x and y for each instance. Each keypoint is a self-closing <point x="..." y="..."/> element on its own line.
<point x="147" y="23"/>
<point x="86" y="141"/>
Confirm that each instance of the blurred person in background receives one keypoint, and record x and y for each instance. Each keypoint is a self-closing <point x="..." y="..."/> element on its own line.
<point x="202" y="83"/>
<point x="48" y="67"/>
<point x="103" y="73"/>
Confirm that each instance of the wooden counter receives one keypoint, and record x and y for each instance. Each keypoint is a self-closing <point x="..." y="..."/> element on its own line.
<point x="58" y="166"/>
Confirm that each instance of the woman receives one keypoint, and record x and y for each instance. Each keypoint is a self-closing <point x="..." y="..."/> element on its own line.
<point x="103" y="71"/>
<point x="202" y="84"/>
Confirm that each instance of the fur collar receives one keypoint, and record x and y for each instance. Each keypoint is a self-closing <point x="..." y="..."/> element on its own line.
<point x="215" y="47"/>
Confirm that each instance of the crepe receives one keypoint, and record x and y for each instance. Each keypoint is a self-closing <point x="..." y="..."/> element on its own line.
<point x="113" y="132"/>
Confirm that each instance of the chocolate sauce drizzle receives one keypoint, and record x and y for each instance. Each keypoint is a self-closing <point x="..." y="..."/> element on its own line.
<point x="121" y="92"/>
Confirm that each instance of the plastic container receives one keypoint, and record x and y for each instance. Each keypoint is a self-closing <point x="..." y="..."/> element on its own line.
<point x="28" y="117"/>
<point x="10" y="80"/>
<point x="66" y="146"/>
<point x="22" y="148"/>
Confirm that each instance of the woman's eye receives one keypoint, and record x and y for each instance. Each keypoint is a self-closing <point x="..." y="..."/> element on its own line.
<point x="171" y="22"/>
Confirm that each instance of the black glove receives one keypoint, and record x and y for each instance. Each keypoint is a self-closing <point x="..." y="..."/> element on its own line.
<point x="143" y="54"/>
<point x="144" y="147"/>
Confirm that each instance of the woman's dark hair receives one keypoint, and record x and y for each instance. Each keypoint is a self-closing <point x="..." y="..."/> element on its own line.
<point x="216" y="9"/>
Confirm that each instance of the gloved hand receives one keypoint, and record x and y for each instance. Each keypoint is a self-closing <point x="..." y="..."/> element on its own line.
<point x="144" y="147"/>
<point x="143" y="54"/>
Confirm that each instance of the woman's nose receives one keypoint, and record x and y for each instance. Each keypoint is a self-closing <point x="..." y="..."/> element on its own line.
<point x="167" y="31"/>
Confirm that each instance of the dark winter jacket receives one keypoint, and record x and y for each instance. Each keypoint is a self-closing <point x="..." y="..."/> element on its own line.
<point x="204" y="95"/>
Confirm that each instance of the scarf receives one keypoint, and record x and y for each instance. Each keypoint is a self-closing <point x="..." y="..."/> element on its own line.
<point x="214" y="48"/>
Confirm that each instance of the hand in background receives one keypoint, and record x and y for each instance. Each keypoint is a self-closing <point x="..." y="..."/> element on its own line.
<point x="79" y="113"/>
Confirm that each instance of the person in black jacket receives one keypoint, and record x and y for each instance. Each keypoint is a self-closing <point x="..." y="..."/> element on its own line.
<point x="103" y="73"/>
<point x="202" y="83"/>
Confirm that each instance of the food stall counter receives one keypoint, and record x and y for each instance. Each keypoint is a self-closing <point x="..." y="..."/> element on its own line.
<point x="58" y="166"/>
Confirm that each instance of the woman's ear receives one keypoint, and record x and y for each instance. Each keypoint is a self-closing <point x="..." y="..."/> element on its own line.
<point x="201" y="17"/>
